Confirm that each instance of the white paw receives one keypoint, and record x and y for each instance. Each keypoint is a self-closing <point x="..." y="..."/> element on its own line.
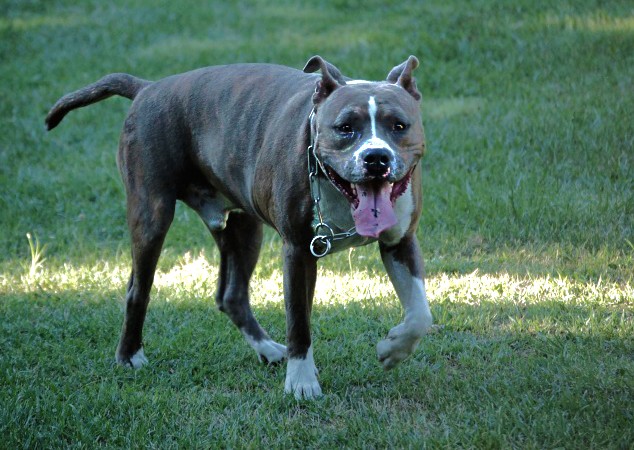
<point x="270" y="352"/>
<point x="400" y="343"/>
<point x="267" y="349"/>
<point x="301" y="377"/>
<point x="138" y="359"/>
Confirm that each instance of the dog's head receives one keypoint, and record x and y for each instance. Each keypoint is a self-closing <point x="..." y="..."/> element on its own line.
<point x="368" y="138"/>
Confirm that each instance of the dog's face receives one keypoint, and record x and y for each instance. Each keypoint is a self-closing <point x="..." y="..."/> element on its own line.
<point x="369" y="133"/>
<point x="369" y="138"/>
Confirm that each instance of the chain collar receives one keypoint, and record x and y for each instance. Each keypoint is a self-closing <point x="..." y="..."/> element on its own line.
<point x="321" y="244"/>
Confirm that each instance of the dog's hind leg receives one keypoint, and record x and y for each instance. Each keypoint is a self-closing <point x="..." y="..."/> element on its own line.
<point x="149" y="219"/>
<point x="239" y="243"/>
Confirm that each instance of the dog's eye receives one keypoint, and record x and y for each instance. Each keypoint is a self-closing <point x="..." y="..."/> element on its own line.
<point x="399" y="126"/>
<point x="344" y="129"/>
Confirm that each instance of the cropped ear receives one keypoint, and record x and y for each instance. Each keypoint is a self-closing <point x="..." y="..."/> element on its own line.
<point x="331" y="77"/>
<point x="402" y="76"/>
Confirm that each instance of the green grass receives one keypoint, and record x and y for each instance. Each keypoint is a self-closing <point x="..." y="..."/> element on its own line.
<point x="527" y="232"/>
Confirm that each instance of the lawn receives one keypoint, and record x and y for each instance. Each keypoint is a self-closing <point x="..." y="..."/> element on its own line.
<point x="527" y="233"/>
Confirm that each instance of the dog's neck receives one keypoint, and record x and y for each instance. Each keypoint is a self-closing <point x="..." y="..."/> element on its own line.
<point x="324" y="234"/>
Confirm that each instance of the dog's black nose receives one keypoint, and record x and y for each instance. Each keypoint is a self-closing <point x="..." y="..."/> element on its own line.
<point x="377" y="161"/>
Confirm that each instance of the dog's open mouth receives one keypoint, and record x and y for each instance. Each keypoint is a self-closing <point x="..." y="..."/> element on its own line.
<point x="372" y="203"/>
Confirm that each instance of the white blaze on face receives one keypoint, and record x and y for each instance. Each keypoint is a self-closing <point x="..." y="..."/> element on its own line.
<point x="372" y="111"/>
<point x="374" y="212"/>
<point x="373" y="141"/>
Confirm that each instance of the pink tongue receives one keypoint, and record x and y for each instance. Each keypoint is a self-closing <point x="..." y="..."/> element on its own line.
<point x="375" y="212"/>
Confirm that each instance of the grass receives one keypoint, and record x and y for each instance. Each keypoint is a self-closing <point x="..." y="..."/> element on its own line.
<point x="527" y="233"/>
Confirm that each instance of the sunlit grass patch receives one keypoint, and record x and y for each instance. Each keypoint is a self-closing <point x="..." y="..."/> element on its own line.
<point x="447" y="108"/>
<point x="596" y="22"/>
<point x="24" y="24"/>
<point x="195" y="277"/>
<point x="476" y="287"/>
<point x="503" y="344"/>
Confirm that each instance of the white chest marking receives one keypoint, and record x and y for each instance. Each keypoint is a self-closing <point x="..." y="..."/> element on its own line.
<point x="404" y="209"/>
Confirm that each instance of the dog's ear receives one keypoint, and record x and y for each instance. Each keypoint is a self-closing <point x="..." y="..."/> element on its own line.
<point x="331" y="77"/>
<point x="402" y="75"/>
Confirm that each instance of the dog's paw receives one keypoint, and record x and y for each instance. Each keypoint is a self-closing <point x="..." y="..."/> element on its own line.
<point x="135" y="361"/>
<point x="270" y="352"/>
<point x="301" y="378"/>
<point x="400" y="343"/>
<point x="302" y="383"/>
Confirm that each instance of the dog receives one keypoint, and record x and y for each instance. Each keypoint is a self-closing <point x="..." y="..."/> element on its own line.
<point x="329" y="162"/>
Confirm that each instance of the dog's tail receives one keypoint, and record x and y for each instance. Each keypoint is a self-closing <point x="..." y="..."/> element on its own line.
<point x="114" y="84"/>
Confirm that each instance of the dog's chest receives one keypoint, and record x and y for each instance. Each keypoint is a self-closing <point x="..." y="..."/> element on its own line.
<point x="337" y="214"/>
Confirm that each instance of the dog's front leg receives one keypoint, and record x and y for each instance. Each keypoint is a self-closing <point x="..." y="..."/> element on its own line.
<point x="404" y="265"/>
<point x="300" y="274"/>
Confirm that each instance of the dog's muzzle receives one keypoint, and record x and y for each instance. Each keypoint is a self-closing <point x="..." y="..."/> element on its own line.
<point x="377" y="162"/>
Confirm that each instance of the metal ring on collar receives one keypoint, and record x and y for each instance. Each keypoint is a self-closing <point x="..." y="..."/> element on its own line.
<point x="320" y="246"/>
<point x="321" y="225"/>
